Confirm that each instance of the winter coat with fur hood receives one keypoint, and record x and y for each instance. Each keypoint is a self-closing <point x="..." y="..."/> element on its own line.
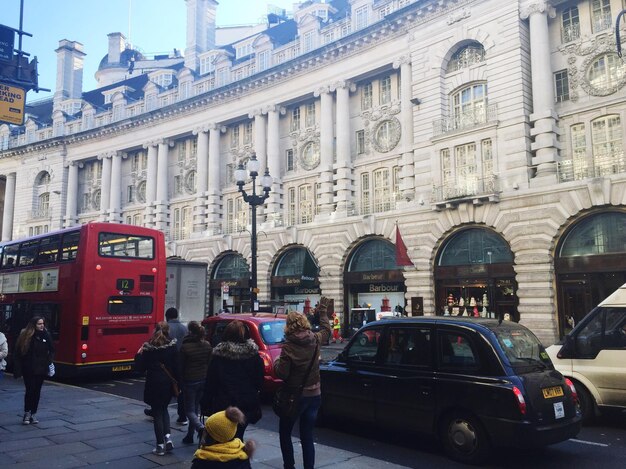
<point x="235" y="378"/>
<point x="158" y="389"/>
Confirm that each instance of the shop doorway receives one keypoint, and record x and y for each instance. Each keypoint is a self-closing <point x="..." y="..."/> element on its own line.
<point x="295" y="279"/>
<point x="229" y="288"/>
<point x="474" y="276"/>
<point x="590" y="264"/>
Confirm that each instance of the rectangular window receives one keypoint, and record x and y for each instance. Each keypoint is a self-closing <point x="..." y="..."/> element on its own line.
<point x="307" y="41"/>
<point x="487" y="158"/>
<point x="182" y="151"/>
<point x="69" y="246"/>
<point x="262" y="60"/>
<point x="360" y="17"/>
<point x="601" y="15"/>
<point x="365" y="194"/>
<point x="310" y="115"/>
<point x="295" y="118"/>
<point x="570" y="25"/>
<point x="230" y="216"/>
<point x="48" y="250"/>
<point x="305" y="203"/>
<point x="130" y="194"/>
<point x="466" y="169"/>
<point x="178" y="184"/>
<point x="382" y="192"/>
<point x="329" y="37"/>
<point x="234" y="136"/>
<point x="366" y="96"/>
<point x="124" y="245"/>
<point x="385" y="90"/>
<point x="397" y="178"/>
<point x="579" y="151"/>
<point x="247" y="133"/>
<point x="561" y="83"/>
<point x="291" y="210"/>
<point x="130" y="306"/>
<point x="290" y="162"/>
<point x="360" y="142"/>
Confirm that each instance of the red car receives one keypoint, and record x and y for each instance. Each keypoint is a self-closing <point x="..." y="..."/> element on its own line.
<point x="266" y="329"/>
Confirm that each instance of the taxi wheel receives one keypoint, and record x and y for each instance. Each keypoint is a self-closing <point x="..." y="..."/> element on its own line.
<point x="587" y="404"/>
<point x="464" y="438"/>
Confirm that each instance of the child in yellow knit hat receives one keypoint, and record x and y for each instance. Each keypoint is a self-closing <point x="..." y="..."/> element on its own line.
<point x="218" y="447"/>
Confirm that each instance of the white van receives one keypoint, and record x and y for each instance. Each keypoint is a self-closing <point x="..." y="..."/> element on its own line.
<point x="593" y="356"/>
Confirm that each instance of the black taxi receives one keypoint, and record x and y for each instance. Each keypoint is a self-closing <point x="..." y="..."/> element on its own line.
<point x="473" y="383"/>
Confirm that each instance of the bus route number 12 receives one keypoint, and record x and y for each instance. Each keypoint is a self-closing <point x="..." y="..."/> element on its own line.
<point x="125" y="284"/>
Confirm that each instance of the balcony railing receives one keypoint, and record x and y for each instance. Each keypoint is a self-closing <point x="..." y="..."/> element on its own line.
<point x="602" y="22"/>
<point x="568" y="170"/>
<point x="465" y="120"/>
<point x="39" y="214"/>
<point x="486" y="188"/>
<point x="570" y="33"/>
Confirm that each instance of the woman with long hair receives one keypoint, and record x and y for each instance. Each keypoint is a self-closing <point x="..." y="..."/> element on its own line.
<point x="298" y="364"/>
<point x="159" y="359"/>
<point x="235" y="376"/>
<point x="33" y="356"/>
<point x="195" y="355"/>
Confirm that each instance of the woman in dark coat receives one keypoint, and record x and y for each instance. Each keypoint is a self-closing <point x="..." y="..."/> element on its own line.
<point x="195" y="355"/>
<point x="159" y="351"/>
<point x="33" y="356"/>
<point x="235" y="376"/>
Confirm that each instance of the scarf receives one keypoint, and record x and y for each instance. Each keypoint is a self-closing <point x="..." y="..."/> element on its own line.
<point x="222" y="452"/>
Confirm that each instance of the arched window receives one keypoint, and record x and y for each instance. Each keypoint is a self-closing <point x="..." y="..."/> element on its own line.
<point x="475" y="246"/>
<point x="604" y="233"/>
<point x="373" y="255"/>
<point x="232" y="266"/>
<point x="466" y="56"/>
<point x="291" y="264"/>
<point x="43" y="179"/>
<point x="469" y="106"/>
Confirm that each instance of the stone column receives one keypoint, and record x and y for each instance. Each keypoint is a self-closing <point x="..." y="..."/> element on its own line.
<point x="213" y="210"/>
<point x="115" y="205"/>
<point x="326" y="196"/>
<point x="274" y="164"/>
<point x="407" y="184"/>
<point x="260" y="137"/>
<point x="202" y="172"/>
<point x="544" y="119"/>
<point x="9" y="208"/>
<point x="344" y="182"/>
<point x="105" y="185"/>
<point x="151" y="182"/>
<point x="161" y="206"/>
<point x="71" y="195"/>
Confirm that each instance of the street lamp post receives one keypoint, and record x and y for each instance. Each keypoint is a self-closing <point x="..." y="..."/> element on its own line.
<point x="254" y="200"/>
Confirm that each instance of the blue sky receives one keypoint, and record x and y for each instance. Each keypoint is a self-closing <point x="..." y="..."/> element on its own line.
<point x="156" y="26"/>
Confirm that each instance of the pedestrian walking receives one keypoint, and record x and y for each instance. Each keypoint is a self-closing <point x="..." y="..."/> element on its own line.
<point x="32" y="359"/>
<point x="4" y="351"/>
<point x="178" y="331"/>
<point x="235" y="376"/>
<point x="195" y="355"/>
<point x="220" y="447"/>
<point x="299" y="363"/>
<point x="336" y="329"/>
<point x="159" y="359"/>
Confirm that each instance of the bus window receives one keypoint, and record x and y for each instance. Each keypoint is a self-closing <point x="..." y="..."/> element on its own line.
<point x="9" y="259"/>
<point x="130" y="305"/>
<point x="48" y="250"/>
<point x="120" y="245"/>
<point x="28" y="251"/>
<point x="69" y="246"/>
<point x="6" y="319"/>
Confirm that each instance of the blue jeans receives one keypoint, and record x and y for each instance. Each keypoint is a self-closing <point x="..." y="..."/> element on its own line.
<point x="307" y="413"/>
<point x="193" y="394"/>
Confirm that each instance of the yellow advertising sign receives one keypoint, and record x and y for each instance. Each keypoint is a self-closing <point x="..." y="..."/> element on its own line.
<point x="12" y="100"/>
<point x="31" y="281"/>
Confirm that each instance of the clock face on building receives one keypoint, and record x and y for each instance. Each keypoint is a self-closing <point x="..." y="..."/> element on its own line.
<point x="310" y="156"/>
<point x="387" y="135"/>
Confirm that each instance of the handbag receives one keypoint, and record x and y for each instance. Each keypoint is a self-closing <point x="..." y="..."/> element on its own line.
<point x="175" y="388"/>
<point x="286" y="400"/>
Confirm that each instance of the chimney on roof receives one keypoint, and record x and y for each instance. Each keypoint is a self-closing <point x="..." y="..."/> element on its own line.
<point x="200" y="30"/>
<point x="69" y="83"/>
<point x="117" y="44"/>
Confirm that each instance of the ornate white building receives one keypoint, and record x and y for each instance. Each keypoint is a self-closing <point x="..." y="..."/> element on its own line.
<point x="490" y="131"/>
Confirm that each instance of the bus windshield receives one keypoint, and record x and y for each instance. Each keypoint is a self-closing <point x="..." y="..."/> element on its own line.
<point x="124" y="245"/>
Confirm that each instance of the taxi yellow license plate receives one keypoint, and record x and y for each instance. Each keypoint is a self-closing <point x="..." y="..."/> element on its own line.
<point x="555" y="391"/>
<point x="122" y="368"/>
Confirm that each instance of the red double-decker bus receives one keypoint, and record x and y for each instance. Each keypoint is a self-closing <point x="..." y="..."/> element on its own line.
<point x="100" y="287"/>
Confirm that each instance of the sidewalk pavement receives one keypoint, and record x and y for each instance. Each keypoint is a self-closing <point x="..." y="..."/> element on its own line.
<point x="81" y="427"/>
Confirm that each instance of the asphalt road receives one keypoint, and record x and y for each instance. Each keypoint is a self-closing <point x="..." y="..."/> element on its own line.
<point x="600" y="445"/>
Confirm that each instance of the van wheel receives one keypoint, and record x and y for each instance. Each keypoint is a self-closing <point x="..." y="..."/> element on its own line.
<point x="587" y="404"/>
<point x="464" y="438"/>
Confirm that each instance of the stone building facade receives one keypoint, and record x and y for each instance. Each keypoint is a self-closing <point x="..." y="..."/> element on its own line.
<point x="490" y="133"/>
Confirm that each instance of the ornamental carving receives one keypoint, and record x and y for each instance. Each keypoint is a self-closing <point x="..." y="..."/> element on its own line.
<point x="386" y="135"/>
<point x="300" y="139"/>
<point x="371" y="119"/>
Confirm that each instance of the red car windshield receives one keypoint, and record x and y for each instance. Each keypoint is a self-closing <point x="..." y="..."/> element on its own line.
<point x="272" y="332"/>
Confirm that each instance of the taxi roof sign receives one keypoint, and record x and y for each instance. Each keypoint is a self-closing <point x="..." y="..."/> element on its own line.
<point x="12" y="101"/>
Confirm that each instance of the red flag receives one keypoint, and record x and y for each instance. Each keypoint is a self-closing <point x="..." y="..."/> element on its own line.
<point x="402" y="257"/>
